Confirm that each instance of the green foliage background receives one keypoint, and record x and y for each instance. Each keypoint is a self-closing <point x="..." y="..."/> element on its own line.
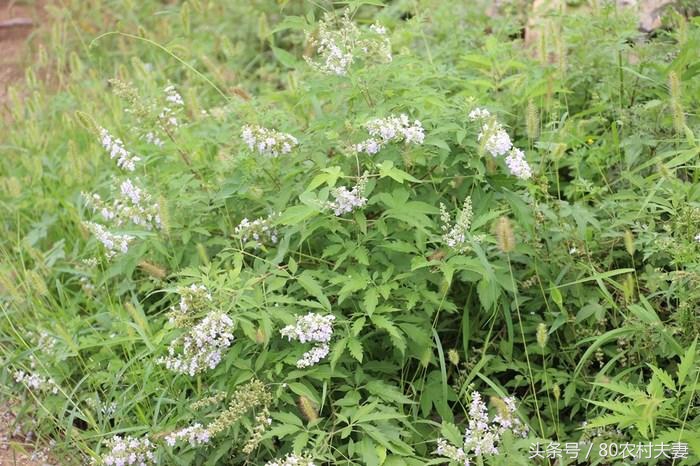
<point x="605" y="258"/>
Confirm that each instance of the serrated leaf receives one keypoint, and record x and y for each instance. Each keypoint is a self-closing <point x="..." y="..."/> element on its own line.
<point x="309" y="283"/>
<point x="395" y="334"/>
<point x="664" y="377"/>
<point x="282" y="431"/>
<point x="337" y="351"/>
<point x="358" y="325"/>
<point x="687" y="363"/>
<point x="387" y="392"/>
<point x="300" y="442"/>
<point x="355" y="347"/>
<point x="371" y="300"/>
<point x="452" y="433"/>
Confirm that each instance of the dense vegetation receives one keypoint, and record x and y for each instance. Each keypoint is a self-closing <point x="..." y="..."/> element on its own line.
<point x="239" y="231"/>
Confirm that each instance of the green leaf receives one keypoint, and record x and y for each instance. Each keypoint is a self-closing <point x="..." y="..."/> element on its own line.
<point x="687" y="363"/>
<point x="452" y="433"/>
<point x="282" y="431"/>
<point x="284" y="57"/>
<point x="355" y="347"/>
<point x="296" y="214"/>
<point x="387" y="392"/>
<point x="358" y="325"/>
<point x="329" y="176"/>
<point x="303" y="390"/>
<point x="356" y="282"/>
<point x="387" y="169"/>
<point x="310" y="284"/>
<point x="395" y="334"/>
<point x="371" y="300"/>
<point x="337" y="351"/>
<point x="664" y="377"/>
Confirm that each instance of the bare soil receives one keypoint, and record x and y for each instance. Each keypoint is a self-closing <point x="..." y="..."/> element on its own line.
<point x="17" y="21"/>
<point x="16" y="449"/>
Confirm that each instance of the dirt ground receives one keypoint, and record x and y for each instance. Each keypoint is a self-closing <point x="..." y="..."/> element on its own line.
<point x="15" y="448"/>
<point x="17" y="21"/>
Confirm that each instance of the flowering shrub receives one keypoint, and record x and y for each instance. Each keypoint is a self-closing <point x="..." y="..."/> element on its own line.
<point x="455" y="220"/>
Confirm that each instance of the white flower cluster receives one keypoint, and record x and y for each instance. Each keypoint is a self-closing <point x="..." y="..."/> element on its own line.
<point x="152" y="138"/>
<point x="132" y="205"/>
<point x="260" y="230"/>
<point x="168" y="116"/>
<point x="697" y="237"/>
<point x="109" y="409"/>
<point x="314" y="328"/>
<point x="313" y="356"/>
<point x="447" y="450"/>
<point x="127" y="451"/>
<point x="173" y="97"/>
<point x="36" y="382"/>
<point x="497" y="142"/>
<point x="518" y="166"/>
<point x="87" y="286"/>
<point x="191" y="297"/>
<point x="479" y="114"/>
<point x="483" y="434"/>
<point x="348" y="200"/>
<point x="456" y="236"/>
<point x="113" y="243"/>
<point x="268" y="142"/>
<point x="45" y="342"/>
<point x="391" y="129"/>
<point x="196" y="435"/>
<point x="292" y="460"/>
<point x="337" y="48"/>
<point x="202" y="345"/>
<point x="106" y="409"/>
<point x="115" y="148"/>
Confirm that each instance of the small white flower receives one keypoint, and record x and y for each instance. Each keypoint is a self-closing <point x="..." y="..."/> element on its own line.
<point x="518" y="166"/>
<point x="151" y="138"/>
<point x="497" y="140"/>
<point x="202" y="346"/>
<point x="113" y="243"/>
<point x="313" y="356"/>
<point x="479" y="114"/>
<point x="195" y="435"/>
<point x="292" y="460"/>
<point x="128" y="451"/>
<point x="116" y="150"/>
<point x="36" y="382"/>
<point x="133" y="205"/>
<point x="261" y="230"/>
<point x="391" y="129"/>
<point x="267" y="142"/>
<point x="457" y="236"/>
<point x="313" y="328"/>
<point x="483" y="434"/>
<point x="345" y="201"/>
<point x="173" y="97"/>
<point x="339" y="42"/>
